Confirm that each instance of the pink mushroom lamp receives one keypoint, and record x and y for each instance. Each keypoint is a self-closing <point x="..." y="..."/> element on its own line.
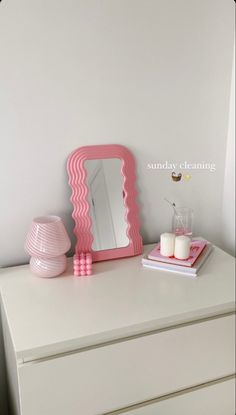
<point x="47" y="242"/>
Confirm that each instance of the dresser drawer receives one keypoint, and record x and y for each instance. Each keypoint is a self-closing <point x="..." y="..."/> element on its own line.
<point x="115" y="376"/>
<point x="217" y="399"/>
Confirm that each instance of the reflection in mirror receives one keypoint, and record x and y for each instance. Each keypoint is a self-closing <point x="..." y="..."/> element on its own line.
<point x="106" y="200"/>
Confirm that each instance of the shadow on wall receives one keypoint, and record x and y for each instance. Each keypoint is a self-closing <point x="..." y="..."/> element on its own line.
<point x="228" y="213"/>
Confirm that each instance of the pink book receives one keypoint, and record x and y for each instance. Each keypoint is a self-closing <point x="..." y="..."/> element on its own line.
<point x="197" y="247"/>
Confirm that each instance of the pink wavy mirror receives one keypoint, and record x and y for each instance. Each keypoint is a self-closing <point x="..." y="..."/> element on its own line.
<point x="104" y="197"/>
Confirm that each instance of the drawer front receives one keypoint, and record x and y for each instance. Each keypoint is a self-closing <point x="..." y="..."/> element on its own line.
<point x="218" y="399"/>
<point x="118" y="375"/>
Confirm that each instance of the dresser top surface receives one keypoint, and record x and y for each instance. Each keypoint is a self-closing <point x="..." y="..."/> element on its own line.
<point x="121" y="299"/>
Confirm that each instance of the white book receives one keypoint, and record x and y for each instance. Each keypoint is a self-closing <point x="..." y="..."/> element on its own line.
<point x="179" y="269"/>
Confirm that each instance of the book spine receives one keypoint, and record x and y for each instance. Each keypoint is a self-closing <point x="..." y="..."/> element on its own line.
<point x="170" y="261"/>
<point x="164" y="265"/>
<point x="187" y="274"/>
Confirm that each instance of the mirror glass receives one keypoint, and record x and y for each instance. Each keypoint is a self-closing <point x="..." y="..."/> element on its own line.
<point x="106" y="199"/>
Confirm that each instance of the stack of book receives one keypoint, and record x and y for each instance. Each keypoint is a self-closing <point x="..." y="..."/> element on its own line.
<point x="199" y="252"/>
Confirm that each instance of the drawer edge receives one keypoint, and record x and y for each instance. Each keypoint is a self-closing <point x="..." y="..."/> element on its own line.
<point x="37" y="358"/>
<point x="171" y="395"/>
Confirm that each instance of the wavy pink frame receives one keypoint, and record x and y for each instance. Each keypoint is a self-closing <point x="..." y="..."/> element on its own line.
<point x="77" y="180"/>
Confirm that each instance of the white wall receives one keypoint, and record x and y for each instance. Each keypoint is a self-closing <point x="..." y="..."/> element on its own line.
<point x="228" y="216"/>
<point x="151" y="74"/>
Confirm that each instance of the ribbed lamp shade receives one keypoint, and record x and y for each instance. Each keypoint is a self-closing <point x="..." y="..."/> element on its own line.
<point x="47" y="237"/>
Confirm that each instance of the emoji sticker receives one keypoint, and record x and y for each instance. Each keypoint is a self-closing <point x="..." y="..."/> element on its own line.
<point x="187" y="177"/>
<point x="176" y="177"/>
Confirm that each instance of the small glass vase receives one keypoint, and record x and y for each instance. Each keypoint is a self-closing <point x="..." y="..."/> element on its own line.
<point x="182" y="223"/>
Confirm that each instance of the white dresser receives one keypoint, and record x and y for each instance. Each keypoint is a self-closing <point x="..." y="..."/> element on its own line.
<point x="126" y="340"/>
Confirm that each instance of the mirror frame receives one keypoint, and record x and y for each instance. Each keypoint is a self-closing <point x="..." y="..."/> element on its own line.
<point x="77" y="180"/>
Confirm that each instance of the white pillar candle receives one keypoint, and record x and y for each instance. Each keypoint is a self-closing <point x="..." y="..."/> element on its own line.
<point x="182" y="247"/>
<point x="167" y="244"/>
